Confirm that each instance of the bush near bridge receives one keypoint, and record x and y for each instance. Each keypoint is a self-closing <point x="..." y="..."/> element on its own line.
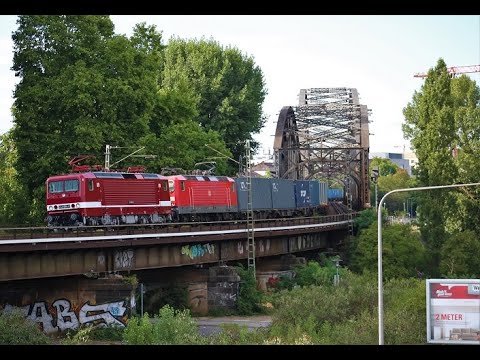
<point x="348" y="313"/>
<point x="169" y="327"/>
<point x="15" y="329"/>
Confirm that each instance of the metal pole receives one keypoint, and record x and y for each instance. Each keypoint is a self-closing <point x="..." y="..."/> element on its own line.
<point x="380" y="273"/>
<point x="376" y="197"/>
<point x="141" y="299"/>
<point x="250" y="214"/>
<point x="107" y="157"/>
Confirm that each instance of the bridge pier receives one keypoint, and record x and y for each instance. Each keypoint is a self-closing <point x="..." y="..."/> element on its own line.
<point x="223" y="287"/>
<point x="59" y="304"/>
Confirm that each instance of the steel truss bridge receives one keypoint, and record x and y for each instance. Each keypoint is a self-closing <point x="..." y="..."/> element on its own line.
<point x="326" y="137"/>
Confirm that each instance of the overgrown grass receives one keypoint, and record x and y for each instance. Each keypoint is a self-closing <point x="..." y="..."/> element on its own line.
<point x="15" y="329"/>
<point x="169" y="327"/>
<point x="88" y="333"/>
<point x="347" y="313"/>
<point x="234" y="334"/>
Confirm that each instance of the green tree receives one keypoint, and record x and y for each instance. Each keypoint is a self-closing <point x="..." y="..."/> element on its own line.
<point x="459" y="255"/>
<point x="81" y="87"/>
<point x="403" y="252"/>
<point x="364" y="219"/>
<point x="385" y="166"/>
<point x="226" y="86"/>
<point x="429" y="123"/>
<point x="442" y="122"/>
<point x="399" y="180"/>
<point x="13" y="209"/>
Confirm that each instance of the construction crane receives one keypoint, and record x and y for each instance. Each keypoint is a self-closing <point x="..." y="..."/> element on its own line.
<point x="455" y="70"/>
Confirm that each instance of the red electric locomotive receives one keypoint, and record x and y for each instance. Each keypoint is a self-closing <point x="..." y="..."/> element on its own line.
<point x="202" y="198"/>
<point x="107" y="198"/>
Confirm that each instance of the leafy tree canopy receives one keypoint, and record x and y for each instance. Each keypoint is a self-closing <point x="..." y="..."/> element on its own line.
<point x="403" y="252"/>
<point x="459" y="255"/>
<point x="442" y="123"/>
<point x="385" y="166"/>
<point x="13" y="210"/>
<point x="225" y="85"/>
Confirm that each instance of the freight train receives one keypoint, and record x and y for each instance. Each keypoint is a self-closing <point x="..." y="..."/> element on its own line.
<point x="114" y="198"/>
<point x="335" y="194"/>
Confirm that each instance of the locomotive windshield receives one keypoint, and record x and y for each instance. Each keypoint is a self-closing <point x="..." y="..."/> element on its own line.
<point x="171" y="185"/>
<point x="63" y="186"/>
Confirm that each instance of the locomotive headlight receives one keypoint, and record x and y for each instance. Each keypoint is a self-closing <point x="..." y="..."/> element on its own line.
<point x="78" y="205"/>
<point x="50" y="207"/>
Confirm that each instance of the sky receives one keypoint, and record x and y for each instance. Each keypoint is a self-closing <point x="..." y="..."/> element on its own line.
<point x="378" y="55"/>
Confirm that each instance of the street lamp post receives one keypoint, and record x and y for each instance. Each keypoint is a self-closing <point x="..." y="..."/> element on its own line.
<point x="380" y="274"/>
<point x="374" y="178"/>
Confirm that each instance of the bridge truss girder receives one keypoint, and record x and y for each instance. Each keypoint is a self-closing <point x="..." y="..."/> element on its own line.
<point x="325" y="137"/>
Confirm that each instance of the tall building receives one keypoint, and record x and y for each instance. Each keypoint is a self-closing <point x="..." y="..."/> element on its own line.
<point x="403" y="160"/>
<point x="412" y="158"/>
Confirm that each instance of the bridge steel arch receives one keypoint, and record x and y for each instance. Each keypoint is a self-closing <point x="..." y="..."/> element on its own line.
<point x="326" y="137"/>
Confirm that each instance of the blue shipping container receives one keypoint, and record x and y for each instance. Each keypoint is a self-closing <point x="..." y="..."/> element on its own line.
<point x="283" y="194"/>
<point x="315" y="193"/>
<point x="261" y="193"/>
<point x="302" y="193"/>
<point x="335" y="194"/>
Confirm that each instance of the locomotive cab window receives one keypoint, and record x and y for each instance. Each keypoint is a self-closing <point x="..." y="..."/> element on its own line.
<point x="90" y="184"/>
<point x="171" y="185"/>
<point x="233" y="187"/>
<point x="71" y="185"/>
<point x="164" y="183"/>
<point x="182" y="185"/>
<point x="55" y="187"/>
<point x="63" y="186"/>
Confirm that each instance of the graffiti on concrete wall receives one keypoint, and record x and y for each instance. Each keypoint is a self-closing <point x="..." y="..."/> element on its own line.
<point x="194" y="251"/>
<point x="263" y="246"/>
<point x="240" y="247"/>
<point x="198" y="298"/>
<point x="223" y="294"/>
<point x="124" y="259"/>
<point x="307" y="241"/>
<point x="62" y="315"/>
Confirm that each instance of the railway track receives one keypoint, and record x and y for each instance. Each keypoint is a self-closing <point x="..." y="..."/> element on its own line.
<point x="89" y="231"/>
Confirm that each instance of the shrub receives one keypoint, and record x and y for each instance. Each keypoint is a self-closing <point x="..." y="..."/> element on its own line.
<point x="109" y="333"/>
<point x="15" y="329"/>
<point x="250" y="298"/>
<point x="169" y="327"/>
<point x="405" y="311"/>
<point x="79" y="337"/>
<point x="139" y="331"/>
<point x="348" y="313"/>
